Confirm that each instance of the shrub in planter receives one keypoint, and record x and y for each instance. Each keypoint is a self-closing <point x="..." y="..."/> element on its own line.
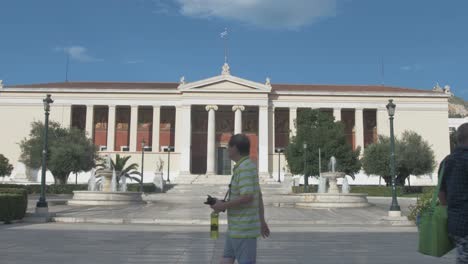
<point x="13" y="204"/>
<point x="423" y="204"/>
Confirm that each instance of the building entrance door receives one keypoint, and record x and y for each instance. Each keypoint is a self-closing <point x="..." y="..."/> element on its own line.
<point x="224" y="163"/>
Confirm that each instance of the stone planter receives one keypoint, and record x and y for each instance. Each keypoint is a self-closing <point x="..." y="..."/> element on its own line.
<point x="158" y="180"/>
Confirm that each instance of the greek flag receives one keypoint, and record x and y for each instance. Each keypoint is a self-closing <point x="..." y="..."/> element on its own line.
<point x="224" y="33"/>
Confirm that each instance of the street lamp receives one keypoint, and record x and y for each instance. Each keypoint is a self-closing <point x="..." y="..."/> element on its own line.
<point x="142" y="162"/>
<point x="41" y="206"/>
<point x="394" y="208"/>
<point x="306" y="180"/>
<point x="168" y="149"/>
<point x="279" y="151"/>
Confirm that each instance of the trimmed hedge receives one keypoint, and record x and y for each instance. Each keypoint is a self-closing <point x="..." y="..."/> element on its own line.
<point x="376" y="190"/>
<point x="13" y="204"/>
<point x="300" y="189"/>
<point x="69" y="188"/>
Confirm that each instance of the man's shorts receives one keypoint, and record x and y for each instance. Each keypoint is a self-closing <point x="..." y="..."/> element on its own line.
<point x="244" y="250"/>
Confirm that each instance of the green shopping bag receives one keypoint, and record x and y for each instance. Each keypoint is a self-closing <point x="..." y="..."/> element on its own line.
<point x="433" y="234"/>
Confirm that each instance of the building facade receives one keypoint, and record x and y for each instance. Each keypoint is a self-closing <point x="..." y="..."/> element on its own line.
<point x="198" y="118"/>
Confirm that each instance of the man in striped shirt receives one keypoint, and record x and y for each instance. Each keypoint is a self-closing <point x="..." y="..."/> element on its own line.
<point x="246" y="219"/>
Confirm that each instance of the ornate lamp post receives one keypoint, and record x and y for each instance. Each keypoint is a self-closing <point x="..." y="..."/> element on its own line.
<point x="279" y="151"/>
<point x="142" y="162"/>
<point x="306" y="179"/>
<point x="168" y="149"/>
<point x="41" y="206"/>
<point x="394" y="208"/>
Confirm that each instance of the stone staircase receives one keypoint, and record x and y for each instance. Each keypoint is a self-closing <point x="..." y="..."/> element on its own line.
<point x="217" y="185"/>
<point x="202" y="179"/>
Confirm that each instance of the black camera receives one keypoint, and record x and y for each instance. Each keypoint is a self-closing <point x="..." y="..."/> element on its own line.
<point x="210" y="200"/>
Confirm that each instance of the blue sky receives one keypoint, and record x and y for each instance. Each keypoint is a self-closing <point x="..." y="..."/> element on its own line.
<point x="296" y="41"/>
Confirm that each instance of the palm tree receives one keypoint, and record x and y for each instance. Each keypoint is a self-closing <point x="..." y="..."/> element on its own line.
<point x="122" y="170"/>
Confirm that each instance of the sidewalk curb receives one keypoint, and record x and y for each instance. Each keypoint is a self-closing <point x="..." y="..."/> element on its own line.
<point x="381" y="222"/>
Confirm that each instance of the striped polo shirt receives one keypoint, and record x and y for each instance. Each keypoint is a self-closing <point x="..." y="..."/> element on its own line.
<point x="244" y="220"/>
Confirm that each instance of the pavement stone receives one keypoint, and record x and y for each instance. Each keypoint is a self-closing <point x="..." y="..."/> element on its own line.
<point x="183" y="204"/>
<point x="113" y="244"/>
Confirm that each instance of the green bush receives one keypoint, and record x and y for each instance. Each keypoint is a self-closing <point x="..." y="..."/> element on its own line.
<point x="13" y="204"/>
<point x="423" y="204"/>
<point x="300" y="189"/>
<point x="147" y="187"/>
<point x="50" y="189"/>
<point x="375" y="190"/>
<point x="69" y="188"/>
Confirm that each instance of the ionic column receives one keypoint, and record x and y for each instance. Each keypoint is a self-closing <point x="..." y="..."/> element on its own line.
<point x="263" y="142"/>
<point x="292" y="120"/>
<point x="133" y="128"/>
<point x="111" y="128"/>
<point x="183" y="137"/>
<point x="337" y="114"/>
<point x="156" y="121"/>
<point x="359" y="127"/>
<point x="383" y="122"/>
<point x="211" y="140"/>
<point x="66" y="115"/>
<point x="238" y="118"/>
<point x="89" y="120"/>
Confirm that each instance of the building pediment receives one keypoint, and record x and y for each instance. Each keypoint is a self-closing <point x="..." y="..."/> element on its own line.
<point x="225" y="83"/>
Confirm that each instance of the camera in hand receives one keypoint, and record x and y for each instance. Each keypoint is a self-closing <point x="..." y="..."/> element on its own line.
<point x="210" y="200"/>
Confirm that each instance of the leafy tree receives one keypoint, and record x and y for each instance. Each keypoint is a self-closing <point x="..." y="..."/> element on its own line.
<point x="416" y="157"/>
<point x="69" y="150"/>
<point x="5" y="167"/>
<point x="453" y="140"/>
<point x="319" y="130"/>
<point x="376" y="158"/>
<point x="413" y="156"/>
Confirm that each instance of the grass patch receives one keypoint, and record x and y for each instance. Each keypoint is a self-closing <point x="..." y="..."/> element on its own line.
<point x="381" y="191"/>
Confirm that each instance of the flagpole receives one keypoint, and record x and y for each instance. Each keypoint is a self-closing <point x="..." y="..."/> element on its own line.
<point x="225" y="46"/>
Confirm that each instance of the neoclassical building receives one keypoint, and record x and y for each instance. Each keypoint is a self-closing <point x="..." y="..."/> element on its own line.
<point x="197" y="118"/>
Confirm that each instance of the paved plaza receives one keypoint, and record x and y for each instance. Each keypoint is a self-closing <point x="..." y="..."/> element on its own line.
<point x="184" y="205"/>
<point x="112" y="244"/>
<point x="173" y="228"/>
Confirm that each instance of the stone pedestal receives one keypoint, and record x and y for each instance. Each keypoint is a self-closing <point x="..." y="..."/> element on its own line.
<point x="332" y="200"/>
<point x="107" y="174"/>
<point x="332" y="176"/>
<point x="105" y="198"/>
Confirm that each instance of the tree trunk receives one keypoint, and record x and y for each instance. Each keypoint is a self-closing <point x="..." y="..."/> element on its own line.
<point x="60" y="178"/>
<point x="388" y="180"/>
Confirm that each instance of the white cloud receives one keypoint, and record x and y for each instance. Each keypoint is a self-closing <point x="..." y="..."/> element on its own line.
<point x="414" y="67"/>
<point x="161" y="7"/>
<point x="134" y="61"/>
<point x="271" y="14"/>
<point x="78" y="53"/>
<point x="405" y="68"/>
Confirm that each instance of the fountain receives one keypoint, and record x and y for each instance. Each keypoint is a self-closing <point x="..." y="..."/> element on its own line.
<point x="105" y="191"/>
<point x="332" y="175"/>
<point x="333" y="198"/>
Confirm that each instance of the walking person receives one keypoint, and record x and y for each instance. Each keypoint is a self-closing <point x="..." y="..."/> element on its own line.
<point x="454" y="194"/>
<point x="245" y="209"/>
